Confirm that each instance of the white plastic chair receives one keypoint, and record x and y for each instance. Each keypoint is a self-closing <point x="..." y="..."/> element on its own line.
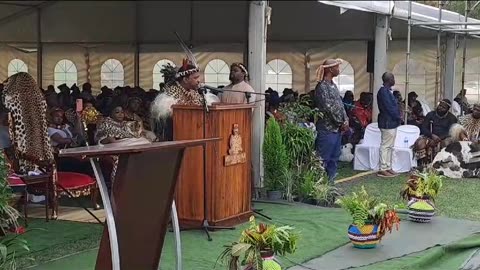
<point x="367" y="154"/>
<point x="403" y="159"/>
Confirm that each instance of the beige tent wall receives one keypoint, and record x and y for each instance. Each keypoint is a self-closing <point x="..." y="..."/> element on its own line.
<point x="303" y="67"/>
<point x="423" y="52"/>
<point x="354" y="52"/>
<point x="7" y="54"/>
<point x="151" y="54"/>
<point x="122" y="53"/>
<point x="294" y="55"/>
<point x="52" y="54"/>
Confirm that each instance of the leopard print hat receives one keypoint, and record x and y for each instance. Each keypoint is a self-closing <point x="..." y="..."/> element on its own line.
<point x="28" y="124"/>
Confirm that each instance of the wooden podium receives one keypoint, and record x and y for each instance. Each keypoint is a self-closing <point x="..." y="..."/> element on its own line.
<point x="224" y="197"/>
<point x="142" y="195"/>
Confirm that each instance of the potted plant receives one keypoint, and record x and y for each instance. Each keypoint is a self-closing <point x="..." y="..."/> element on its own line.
<point x="275" y="160"/>
<point x="420" y="192"/>
<point x="325" y="194"/>
<point x="258" y="245"/>
<point x="10" y="243"/>
<point x="371" y="219"/>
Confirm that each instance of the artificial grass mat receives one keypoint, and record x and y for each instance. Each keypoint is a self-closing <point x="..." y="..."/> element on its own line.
<point x="455" y="200"/>
<point x="55" y="239"/>
<point x="321" y="229"/>
<point x="447" y="257"/>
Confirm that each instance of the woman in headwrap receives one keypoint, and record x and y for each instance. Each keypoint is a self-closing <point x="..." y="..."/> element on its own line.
<point x="131" y="114"/>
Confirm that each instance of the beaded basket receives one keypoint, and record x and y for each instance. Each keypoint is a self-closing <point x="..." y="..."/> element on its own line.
<point x="420" y="210"/>
<point x="364" y="237"/>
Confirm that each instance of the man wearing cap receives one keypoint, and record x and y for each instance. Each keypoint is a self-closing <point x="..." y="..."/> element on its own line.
<point x="435" y="132"/>
<point x="238" y="77"/>
<point x="334" y="120"/>
<point x="388" y="121"/>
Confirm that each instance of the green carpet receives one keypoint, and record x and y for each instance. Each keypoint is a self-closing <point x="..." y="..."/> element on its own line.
<point x="56" y="239"/>
<point x="448" y="257"/>
<point x="455" y="198"/>
<point x="322" y="230"/>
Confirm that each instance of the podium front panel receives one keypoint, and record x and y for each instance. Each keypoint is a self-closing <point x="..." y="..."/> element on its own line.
<point x="228" y="188"/>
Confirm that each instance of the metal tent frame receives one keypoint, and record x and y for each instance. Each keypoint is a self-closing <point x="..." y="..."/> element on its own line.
<point x="441" y="28"/>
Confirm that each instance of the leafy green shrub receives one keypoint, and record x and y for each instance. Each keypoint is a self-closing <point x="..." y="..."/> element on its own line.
<point x="9" y="244"/>
<point x="275" y="156"/>
<point x="299" y="143"/>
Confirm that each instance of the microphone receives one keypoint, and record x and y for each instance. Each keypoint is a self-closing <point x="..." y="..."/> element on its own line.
<point x="204" y="87"/>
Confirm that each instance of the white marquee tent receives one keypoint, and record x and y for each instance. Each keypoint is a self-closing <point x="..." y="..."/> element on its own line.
<point x="124" y="42"/>
<point x="78" y="37"/>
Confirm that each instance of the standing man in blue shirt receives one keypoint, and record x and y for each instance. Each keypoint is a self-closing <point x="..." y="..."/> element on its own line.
<point x="334" y="119"/>
<point x="388" y="121"/>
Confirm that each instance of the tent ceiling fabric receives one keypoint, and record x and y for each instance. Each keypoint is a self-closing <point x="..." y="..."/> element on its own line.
<point x="202" y="22"/>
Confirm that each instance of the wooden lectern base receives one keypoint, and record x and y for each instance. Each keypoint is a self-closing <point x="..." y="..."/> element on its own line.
<point x="142" y="195"/>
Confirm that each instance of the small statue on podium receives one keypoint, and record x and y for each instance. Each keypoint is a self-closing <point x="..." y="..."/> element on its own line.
<point x="236" y="154"/>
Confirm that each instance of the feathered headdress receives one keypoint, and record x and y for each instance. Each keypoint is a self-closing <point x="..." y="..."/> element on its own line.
<point x="169" y="73"/>
<point x="189" y="65"/>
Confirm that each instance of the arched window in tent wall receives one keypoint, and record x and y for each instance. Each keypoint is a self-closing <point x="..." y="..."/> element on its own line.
<point x="217" y="73"/>
<point x="65" y="72"/>
<point x="112" y="73"/>
<point x="345" y="81"/>
<point x="15" y="66"/>
<point x="278" y="75"/>
<point x="417" y="78"/>
<point x="472" y="80"/>
<point x="157" y="74"/>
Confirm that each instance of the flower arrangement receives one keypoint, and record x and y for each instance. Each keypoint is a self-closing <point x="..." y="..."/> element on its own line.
<point x="371" y="218"/>
<point x="422" y="185"/>
<point x="420" y="191"/>
<point x="258" y="244"/>
<point x="90" y="115"/>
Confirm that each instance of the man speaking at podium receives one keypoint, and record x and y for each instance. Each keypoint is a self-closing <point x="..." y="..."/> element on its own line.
<point x="181" y="87"/>
<point x="241" y="90"/>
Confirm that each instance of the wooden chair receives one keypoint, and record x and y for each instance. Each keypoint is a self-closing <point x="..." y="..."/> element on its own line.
<point x="54" y="185"/>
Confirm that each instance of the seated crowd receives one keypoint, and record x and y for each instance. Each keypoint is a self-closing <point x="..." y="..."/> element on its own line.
<point x="438" y="128"/>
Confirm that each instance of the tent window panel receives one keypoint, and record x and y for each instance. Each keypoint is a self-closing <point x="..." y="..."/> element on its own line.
<point x="217" y="72"/>
<point x="278" y="75"/>
<point x="65" y="72"/>
<point x="15" y="66"/>
<point x="157" y="74"/>
<point x="345" y="81"/>
<point x="112" y="73"/>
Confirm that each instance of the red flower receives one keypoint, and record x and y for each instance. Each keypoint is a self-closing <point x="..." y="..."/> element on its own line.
<point x="18" y="230"/>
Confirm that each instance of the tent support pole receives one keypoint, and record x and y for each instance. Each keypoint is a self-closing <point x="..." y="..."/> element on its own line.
<point x="407" y="63"/>
<point x="437" y="65"/>
<point x="465" y="45"/>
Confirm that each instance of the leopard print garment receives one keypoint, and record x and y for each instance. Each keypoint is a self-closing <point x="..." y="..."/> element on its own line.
<point x="183" y="96"/>
<point x="28" y="125"/>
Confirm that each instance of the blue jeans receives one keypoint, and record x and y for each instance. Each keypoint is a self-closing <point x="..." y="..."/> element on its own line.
<point x="327" y="145"/>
